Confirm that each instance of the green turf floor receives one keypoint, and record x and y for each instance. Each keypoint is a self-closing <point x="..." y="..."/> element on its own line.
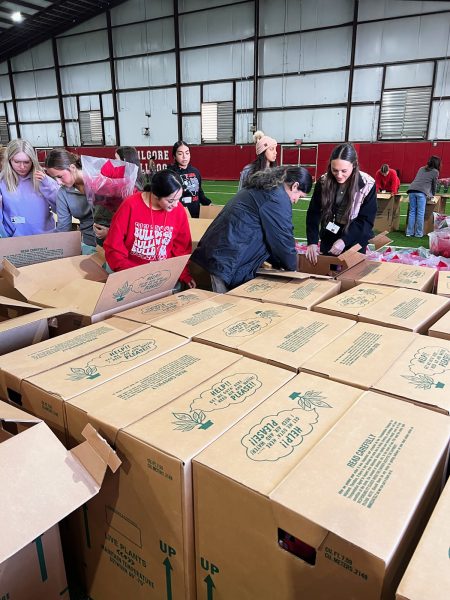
<point x="221" y="191"/>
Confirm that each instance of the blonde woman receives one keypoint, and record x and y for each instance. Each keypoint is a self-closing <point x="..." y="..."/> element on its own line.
<point x="28" y="195"/>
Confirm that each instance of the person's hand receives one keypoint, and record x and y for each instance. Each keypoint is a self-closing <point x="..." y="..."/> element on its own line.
<point x="337" y="247"/>
<point x="191" y="284"/>
<point x="311" y="253"/>
<point x="40" y="175"/>
<point x="101" y="231"/>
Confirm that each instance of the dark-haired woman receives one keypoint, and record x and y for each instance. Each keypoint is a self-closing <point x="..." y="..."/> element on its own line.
<point x="254" y="226"/>
<point x="343" y="206"/>
<point x="130" y="154"/>
<point x="266" y="154"/>
<point x="71" y="200"/>
<point x="193" y="195"/>
<point x="423" y="187"/>
<point x="150" y="226"/>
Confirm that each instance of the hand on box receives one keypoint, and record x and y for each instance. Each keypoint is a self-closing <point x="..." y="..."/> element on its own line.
<point x="337" y="247"/>
<point x="311" y="253"/>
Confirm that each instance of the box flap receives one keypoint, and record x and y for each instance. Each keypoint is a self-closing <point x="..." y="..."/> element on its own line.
<point x="45" y="484"/>
<point x="21" y="281"/>
<point x="380" y="240"/>
<point x="198" y="228"/>
<point x="11" y="303"/>
<point x="9" y="413"/>
<point x="31" y="249"/>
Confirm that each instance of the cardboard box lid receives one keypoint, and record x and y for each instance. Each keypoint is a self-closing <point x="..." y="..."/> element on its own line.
<point x="428" y="575"/>
<point x="133" y="395"/>
<point x="198" y="228"/>
<point x="249" y="324"/>
<point x="200" y="317"/>
<point x="443" y="284"/>
<point x="260" y="450"/>
<point x="185" y="426"/>
<point x="442" y="327"/>
<point x="32" y="249"/>
<point x="355" y="300"/>
<point x="343" y="486"/>
<point x="421" y="373"/>
<point x="148" y="312"/>
<point x="46" y="482"/>
<point x="295" y="340"/>
<point x="280" y="274"/>
<point x="304" y="293"/>
<point x="331" y="265"/>
<point x="361" y="355"/>
<point x="406" y="309"/>
<point x="76" y="282"/>
<point x="258" y="288"/>
<point x="393" y="274"/>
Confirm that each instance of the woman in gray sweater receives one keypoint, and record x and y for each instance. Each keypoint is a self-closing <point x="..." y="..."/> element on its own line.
<point x="423" y="187"/>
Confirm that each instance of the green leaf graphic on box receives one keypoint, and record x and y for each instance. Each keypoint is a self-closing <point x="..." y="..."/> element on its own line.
<point x="151" y="282"/>
<point x="121" y="292"/>
<point x="189" y="421"/>
<point x="78" y="373"/>
<point x="428" y="362"/>
<point x="309" y="399"/>
<point x="251" y="326"/>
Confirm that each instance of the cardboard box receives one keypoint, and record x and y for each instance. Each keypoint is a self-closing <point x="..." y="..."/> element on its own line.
<point x="304" y="294"/>
<point x="428" y="575"/>
<point x="194" y="320"/>
<point x="32" y="249"/>
<point x="399" y="308"/>
<point x="81" y="284"/>
<point x="443" y="284"/>
<point x="148" y="515"/>
<point x="295" y="340"/>
<point x="26" y="362"/>
<point x="441" y="329"/>
<point x="211" y="211"/>
<point x="331" y="265"/>
<point x="421" y="374"/>
<point x="361" y="355"/>
<point x="388" y="212"/>
<point x="198" y="228"/>
<point x="233" y="333"/>
<point x="44" y="394"/>
<point x="328" y="509"/>
<point x="258" y="288"/>
<point x="148" y="312"/>
<point x="391" y="274"/>
<point x="45" y="483"/>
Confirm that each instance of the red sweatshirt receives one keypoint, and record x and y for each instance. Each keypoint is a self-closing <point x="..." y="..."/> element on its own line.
<point x="389" y="182"/>
<point x="139" y="234"/>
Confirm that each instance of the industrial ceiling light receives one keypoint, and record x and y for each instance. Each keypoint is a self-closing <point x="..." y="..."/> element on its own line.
<point x="17" y="17"/>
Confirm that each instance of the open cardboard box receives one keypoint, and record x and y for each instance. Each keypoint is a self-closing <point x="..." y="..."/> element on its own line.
<point x="211" y="211"/>
<point x="428" y="575"/>
<point x="312" y="495"/>
<point x="388" y="212"/>
<point x="32" y="249"/>
<point x="81" y="284"/>
<point x="331" y="265"/>
<point x="45" y="482"/>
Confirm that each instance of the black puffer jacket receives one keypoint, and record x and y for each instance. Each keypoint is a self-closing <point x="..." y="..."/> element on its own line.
<point x="255" y="226"/>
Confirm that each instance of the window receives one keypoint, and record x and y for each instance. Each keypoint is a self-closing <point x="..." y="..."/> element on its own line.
<point x="217" y="122"/>
<point x="4" y="131"/>
<point x="404" y="114"/>
<point x="91" y="131"/>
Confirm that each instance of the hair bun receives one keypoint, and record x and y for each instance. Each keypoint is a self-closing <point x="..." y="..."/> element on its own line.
<point x="257" y="136"/>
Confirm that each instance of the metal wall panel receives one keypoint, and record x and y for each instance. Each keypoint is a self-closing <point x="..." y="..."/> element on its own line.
<point x="39" y="57"/>
<point x="10" y="113"/>
<point x="292" y="15"/>
<point x="110" y="133"/>
<point x="70" y="107"/>
<point x="312" y="125"/>
<point x="364" y="123"/>
<point x="146" y="71"/>
<point x="442" y="84"/>
<point x="309" y="51"/>
<point x="367" y="84"/>
<point x="3" y="68"/>
<point x="73" y="134"/>
<point x="135" y="11"/>
<point x="98" y="22"/>
<point x="230" y="23"/>
<point x="192" y="130"/>
<point x="85" y="78"/>
<point x="187" y="5"/>
<point x="5" y="89"/>
<point x="235" y="60"/>
<point x="83" y="48"/>
<point x="400" y="76"/>
<point x="190" y="98"/>
<point x="108" y="108"/>
<point x="382" y="9"/>
<point x="45" y="135"/>
<point x="320" y="88"/>
<point x="243" y="135"/>
<point x="402" y="40"/>
<point x="32" y="84"/>
<point x="218" y="92"/>
<point x="440" y="120"/>
<point x="90" y="102"/>
<point x="141" y="38"/>
<point x="244" y="94"/>
<point x="38" y="110"/>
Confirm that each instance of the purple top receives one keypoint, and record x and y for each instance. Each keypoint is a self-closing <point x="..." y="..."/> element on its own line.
<point x="26" y="211"/>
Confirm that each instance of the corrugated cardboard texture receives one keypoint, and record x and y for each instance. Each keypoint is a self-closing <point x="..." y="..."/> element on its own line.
<point x="443" y="284"/>
<point x="32" y="249"/>
<point x="392" y="274"/>
<point x="304" y="294"/>
<point x="258" y="288"/>
<point x="441" y="328"/>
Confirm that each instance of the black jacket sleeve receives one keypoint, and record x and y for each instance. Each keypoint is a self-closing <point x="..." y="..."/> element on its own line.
<point x="201" y="194"/>
<point x="313" y="215"/>
<point x="360" y="229"/>
<point x="276" y="222"/>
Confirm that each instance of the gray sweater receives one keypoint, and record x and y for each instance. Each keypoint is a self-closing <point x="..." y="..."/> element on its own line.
<point x="425" y="181"/>
<point x="72" y="203"/>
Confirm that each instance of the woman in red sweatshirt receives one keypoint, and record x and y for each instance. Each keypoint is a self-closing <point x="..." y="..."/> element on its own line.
<point x="150" y="226"/>
<point x="387" y="180"/>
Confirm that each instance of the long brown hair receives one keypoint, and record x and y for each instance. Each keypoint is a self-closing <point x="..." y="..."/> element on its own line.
<point x="330" y="185"/>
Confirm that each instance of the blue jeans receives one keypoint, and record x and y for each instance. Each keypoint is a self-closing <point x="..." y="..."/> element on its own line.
<point x="417" y="203"/>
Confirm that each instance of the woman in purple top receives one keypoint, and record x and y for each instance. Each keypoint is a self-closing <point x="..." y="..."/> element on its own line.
<point x="27" y="194"/>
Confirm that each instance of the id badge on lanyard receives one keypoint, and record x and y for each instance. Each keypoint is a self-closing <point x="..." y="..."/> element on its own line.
<point x="332" y="227"/>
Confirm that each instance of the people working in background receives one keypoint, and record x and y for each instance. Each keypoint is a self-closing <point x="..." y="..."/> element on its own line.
<point x="266" y="155"/>
<point x="422" y="187"/>
<point x="253" y="227"/>
<point x="130" y="154"/>
<point x="28" y="194"/>
<point x="343" y="206"/>
<point x="71" y="201"/>
<point x="193" y="194"/>
<point x="387" y="180"/>
<point x="149" y="226"/>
